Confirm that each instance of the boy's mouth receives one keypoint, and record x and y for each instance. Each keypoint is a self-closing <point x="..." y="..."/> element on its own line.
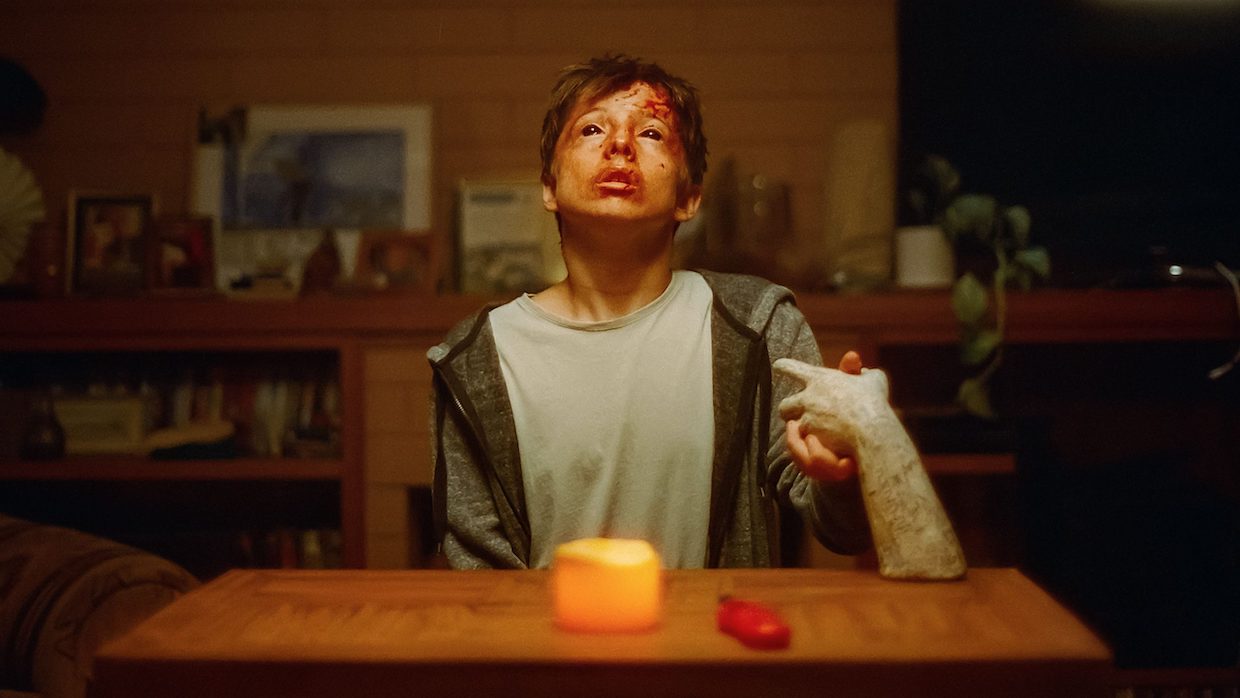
<point x="617" y="181"/>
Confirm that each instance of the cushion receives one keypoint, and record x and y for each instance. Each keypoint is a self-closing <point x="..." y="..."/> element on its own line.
<point x="64" y="593"/>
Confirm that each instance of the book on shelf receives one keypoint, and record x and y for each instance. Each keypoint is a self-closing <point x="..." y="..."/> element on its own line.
<point x="290" y="548"/>
<point x="276" y="409"/>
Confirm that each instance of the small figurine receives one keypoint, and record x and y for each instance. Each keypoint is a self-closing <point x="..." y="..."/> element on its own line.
<point x="912" y="535"/>
<point x="322" y="269"/>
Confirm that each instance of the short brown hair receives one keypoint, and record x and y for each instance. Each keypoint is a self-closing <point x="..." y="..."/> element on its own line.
<point x="612" y="72"/>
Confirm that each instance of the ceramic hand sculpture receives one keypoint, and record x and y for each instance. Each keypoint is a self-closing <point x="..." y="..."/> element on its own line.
<point x="851" y="413"/>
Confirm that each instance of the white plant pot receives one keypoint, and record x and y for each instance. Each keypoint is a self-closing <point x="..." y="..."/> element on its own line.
<point x="924" y="257"/>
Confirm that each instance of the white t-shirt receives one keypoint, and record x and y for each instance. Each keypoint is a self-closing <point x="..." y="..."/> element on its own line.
<point x="615" y="421"/>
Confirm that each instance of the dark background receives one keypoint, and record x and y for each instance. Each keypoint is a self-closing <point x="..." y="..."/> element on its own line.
<point x="1116" y="123"/>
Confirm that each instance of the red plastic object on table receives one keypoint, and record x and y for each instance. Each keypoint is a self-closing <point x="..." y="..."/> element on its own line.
<point x="754" y="624"/>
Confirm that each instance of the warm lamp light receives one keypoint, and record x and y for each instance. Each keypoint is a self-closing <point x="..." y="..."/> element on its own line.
<point x="606" y="585"/>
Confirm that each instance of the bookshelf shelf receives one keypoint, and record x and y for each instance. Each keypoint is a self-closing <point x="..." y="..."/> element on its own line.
<point x="969" y="463"/>
<point x="377" y="345"/>
<point x="897" y="317"/>
<point x="128" y="467"/>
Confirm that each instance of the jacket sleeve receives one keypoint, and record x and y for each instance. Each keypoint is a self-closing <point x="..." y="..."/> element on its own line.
<point x="466" y="511"/>
<point x="834" y="509"/>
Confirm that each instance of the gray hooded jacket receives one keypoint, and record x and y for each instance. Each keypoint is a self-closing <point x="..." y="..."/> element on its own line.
<point x="479" y="499"/>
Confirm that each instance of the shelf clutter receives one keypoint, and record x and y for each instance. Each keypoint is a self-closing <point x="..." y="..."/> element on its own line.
<point x="179" y="405"/>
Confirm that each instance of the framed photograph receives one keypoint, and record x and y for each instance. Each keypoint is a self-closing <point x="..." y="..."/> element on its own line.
<point x="397" y="261"/>
<point x="180" y="255"/>
<point x="507" y="241"/>
<point x="301" y="167"/>
<point x="107" y="238"/>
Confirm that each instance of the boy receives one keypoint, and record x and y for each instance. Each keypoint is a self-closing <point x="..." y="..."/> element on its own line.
<point x="629" y="400"/>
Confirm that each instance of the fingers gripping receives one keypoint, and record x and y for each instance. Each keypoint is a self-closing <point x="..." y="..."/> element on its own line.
<point x="792" y="407"/>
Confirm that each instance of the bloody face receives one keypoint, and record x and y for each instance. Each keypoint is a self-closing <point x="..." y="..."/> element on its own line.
<point x="619" y="158"/>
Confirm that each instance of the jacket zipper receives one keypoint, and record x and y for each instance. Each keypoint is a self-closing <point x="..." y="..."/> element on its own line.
<point x="473" y="433"/>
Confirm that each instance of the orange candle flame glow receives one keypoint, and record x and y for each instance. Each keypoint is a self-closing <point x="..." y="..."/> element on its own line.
<point x="607" y="585"/>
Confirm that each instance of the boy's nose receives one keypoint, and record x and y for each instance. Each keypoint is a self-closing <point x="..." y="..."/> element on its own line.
<point x="620" y="143"/>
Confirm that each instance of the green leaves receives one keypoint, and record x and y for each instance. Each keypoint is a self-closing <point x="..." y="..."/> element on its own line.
<point x="972" y="215"/>
<point x="941" y="174"/>
<point x="1035" y="259"/>
<point x="920" y="203"/>
<point x="936" y="182"/>
<point x="970" y="303"/>
<point x="975" y="349"/>
<point x="981" y="335"/>
<point x="1025" y="265"/>
<point x="969" y="299"/>
<point x="978" y="342"/>
<point x="974" y="396"/>
<point x="1004" y="232"/>
<point x="1018" y="224"/>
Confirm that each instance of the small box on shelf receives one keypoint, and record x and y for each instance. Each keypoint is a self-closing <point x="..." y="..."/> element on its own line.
<point x="103" y="424"/>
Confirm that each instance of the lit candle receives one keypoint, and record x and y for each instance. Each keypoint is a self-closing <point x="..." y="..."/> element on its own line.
<point x="606" y="585"/>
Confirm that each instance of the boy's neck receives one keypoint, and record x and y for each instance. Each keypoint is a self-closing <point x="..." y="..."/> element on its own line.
<point x="609" y="275"/>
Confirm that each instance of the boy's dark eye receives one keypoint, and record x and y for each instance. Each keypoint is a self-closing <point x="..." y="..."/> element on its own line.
<point x="590" y="130"/>
<point x="653" y="134"/>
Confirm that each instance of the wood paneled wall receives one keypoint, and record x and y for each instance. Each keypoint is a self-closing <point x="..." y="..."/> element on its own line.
<point x="125" y="78"/>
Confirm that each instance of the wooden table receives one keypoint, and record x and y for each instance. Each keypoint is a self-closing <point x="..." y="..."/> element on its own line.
<point x="489" y="633"/>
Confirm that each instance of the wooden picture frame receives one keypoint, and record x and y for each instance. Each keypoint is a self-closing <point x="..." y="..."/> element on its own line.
<point x="180" y="255"/>
<point x="244" y="184"/>
<point x="507" y="242"/>
<point x="397" y="261"/>
<point x="106" y="245"/>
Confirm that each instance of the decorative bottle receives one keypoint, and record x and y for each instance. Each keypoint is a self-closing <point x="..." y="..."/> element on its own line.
<point x="44" y="438"/>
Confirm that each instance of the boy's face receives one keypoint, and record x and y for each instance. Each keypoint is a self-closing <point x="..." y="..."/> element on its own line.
<point x="619" y="157"/>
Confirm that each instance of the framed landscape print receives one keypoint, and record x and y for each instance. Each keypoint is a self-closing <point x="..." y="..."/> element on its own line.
<point x="315" y="167"/>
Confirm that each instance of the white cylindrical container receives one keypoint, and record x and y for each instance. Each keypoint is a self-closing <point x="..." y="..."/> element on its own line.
<point x="924" y="257"/>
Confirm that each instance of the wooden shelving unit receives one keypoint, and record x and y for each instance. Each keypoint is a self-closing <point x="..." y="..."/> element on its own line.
<point x="969" y="463"/>
<point x="900" y="317"/>
<point x="1042" y="316"/>
<point x="128" y="467"/>
<point x="348" y="327"/>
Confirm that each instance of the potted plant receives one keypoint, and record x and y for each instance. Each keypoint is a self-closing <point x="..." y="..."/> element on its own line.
<point x="935" y="184"/>
<point x="923" y="253"/>
<point x="1002" y="234"/>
